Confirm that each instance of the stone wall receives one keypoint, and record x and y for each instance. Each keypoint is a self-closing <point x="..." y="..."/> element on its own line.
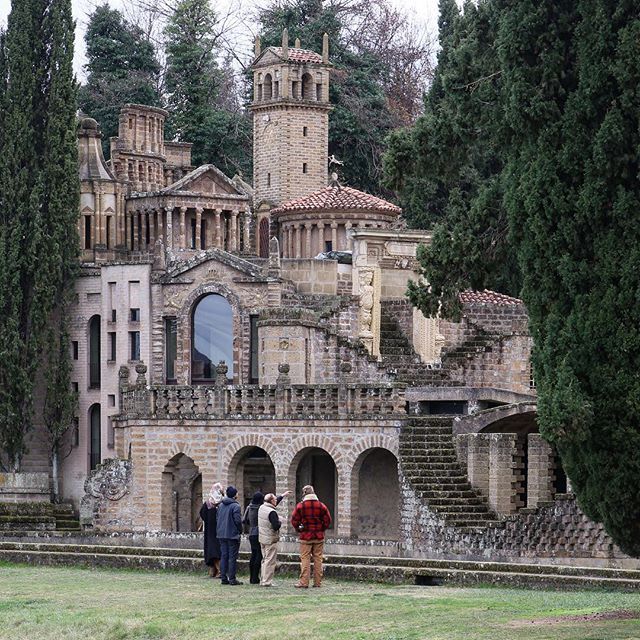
<point x="324" y="277"/>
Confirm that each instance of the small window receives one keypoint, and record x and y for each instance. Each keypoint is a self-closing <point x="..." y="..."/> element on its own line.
<point x="114" y="315"/>
<point x="304" y="167"/>
<point x="134" y="343"/>
<point x="112" y="346"/>
<point x="112" y="400"/>
<point x="268" y="179"/>
<point x="76" y="432"/>
<point x="87" y="232"/>
<point x="319" y="91"/>
<point x="134" y="315"/>
<point x="74" y="386"/>
<point x="304" y="131"/>
<point x="193" y="233"/>
<point x="171" y="349"/>
<point x="328" y="245"/>
<point x="74" y="349"/>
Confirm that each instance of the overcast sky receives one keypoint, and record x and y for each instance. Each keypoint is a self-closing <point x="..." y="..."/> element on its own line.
<point x="425" y="10"/>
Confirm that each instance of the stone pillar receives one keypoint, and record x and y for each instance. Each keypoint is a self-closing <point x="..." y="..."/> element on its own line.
<point x="160" y="226"/>
<point x="183" y="231"/>
<point x="295" y="253"/>
<point x="136" y="230"/>
<point x="198" y="239"/>
<point x="347" y="228"/>
<point x="334" y="236"/>
<point x="169" y="226"/>
<point x="539" y="471"/>
<point x="320" y="247"/>
<point x="233" y="239"/>
<point x="307" y="240"/>
<point x="478" y="461"/>
<point x="152" y="227"/>
<point x="504" y="472"/>
<point x="216" y="229"/>
<point x="246" y="231"/>
<point x="99" y="226"/>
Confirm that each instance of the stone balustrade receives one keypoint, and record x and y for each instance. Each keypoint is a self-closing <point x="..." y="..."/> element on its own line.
<point x="263" y="402"/>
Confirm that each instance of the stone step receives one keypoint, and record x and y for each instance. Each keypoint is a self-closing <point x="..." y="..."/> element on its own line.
<point x="464" y="507"/>
<point x="389" y="570"/>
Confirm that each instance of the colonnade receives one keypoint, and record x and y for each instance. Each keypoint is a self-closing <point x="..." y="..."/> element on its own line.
<point x="188" y="228"/>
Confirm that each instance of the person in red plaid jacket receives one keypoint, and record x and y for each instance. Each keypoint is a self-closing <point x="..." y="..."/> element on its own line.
<point x="311" y="519"/>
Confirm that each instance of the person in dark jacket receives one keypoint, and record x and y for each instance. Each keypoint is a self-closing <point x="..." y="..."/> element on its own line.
<point x="208" y="514"/>
<point x="311" y="519"/>
<point x="229" y="528"/>
<point x="250" y="521"/>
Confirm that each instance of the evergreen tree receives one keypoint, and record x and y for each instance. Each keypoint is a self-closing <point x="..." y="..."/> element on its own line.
<point x="122" y="68"/>
<point x="200" y="112"/>
<point x="38" y="201"/>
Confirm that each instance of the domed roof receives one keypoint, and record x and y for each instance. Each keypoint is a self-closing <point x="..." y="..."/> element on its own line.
<point x="337" y="197"/>
<point x="89" y="123"/>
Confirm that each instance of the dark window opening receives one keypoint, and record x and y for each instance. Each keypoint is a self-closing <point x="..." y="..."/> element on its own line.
<point x="114" y="315"/>
<point x="74" y="349"/>
<point x="328" y="245"/>
<point x="87" y="232"/>
<point x="112" y="346"/>
<point x="171" y="349"/>
<point x="134" y="315"/>
<point x="319" y="91"/>
<point x="304" y="167"/>
<point x="147" y="229"/>
<point x="94" y="352"/>
<point x="134" y="343"/>
<point x="443" y="407"/>
<point x="108" y="230"/>
<point x="95" y="437"/>
<point x="263" y="239"/>
<point x="132" y="234"/>
<point x="203" y="234"/>
<point x="268" y="179"/>
<point x="193" y="233"/>
<point x="304" y="131"/>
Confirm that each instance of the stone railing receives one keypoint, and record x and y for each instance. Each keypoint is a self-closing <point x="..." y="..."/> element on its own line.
<point x="264" y="402"/>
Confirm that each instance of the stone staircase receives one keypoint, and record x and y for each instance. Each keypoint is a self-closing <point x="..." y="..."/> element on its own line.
<point x="399" y="356"/>
<point x="38" y="516"/>
<point x="429" y="463"/>
<point x="427" y="572"/>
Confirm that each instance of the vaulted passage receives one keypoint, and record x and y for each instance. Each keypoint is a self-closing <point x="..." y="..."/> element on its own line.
<point x="253" y="471"/>
<point x="317" y="468"/>
<point x="181" y="494"/>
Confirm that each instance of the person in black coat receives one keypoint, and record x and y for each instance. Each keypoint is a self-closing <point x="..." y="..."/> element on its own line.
<point x="209" y="514"/>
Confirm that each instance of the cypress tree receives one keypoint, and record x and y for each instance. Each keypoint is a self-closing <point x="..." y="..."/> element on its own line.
<point x="38" y="202"/>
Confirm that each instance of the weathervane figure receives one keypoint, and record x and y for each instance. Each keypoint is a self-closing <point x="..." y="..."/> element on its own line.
<point x="334" y="162"/>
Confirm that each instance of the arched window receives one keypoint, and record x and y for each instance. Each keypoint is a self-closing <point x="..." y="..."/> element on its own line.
<point x="212" y="338"/>
<point x="95" y="436"/>
<point x="94" y="352"/>
<point x="267" y="88"/>
<point x="307" y="87"/>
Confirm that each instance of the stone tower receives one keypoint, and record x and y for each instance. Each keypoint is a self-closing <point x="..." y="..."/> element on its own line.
<point x="290" y="122"/>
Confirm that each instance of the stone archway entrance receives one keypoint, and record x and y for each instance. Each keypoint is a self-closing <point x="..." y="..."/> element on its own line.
<point x="316" y="467"/>
<point x="375" y="503"/>
<point x="181" y="494"/>
<point x="254" y="471"/>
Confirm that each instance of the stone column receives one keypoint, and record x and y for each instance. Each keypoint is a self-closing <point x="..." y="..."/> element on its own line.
<point x="168" y="211"/>
<point x="198" y="239"/>
<point x="307" y="240"/>
<point x="136" y="230"/>
<point x="478" y="461"/>
<point x="233" y="240"/>
<point x="183" y="232"/>
<point x="99" y="226"/>
<point x="152" y="227"/>
<point x="297" y="233"/>
<point x="246" y="231"/>
<point x="216" y="229"/>
<point x="504" y="467"/>
<point x="334" y="236"/>
<point x="320" y="247"/>
<point x="347" y="228"/>
<point x="540" y="471"/>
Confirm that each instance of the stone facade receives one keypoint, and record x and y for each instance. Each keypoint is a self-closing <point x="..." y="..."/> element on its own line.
<point x="210" y="345"/>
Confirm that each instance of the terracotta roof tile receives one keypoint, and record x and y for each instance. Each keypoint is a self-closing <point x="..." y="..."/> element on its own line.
<point x="300" y="55"/>
<point x="337" y="197"/>
<point x="488" y="297"/>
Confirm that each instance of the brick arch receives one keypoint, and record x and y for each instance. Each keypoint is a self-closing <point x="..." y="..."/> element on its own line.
<point x="299" y="446"/>
<point x="234" y="449"/>
<point x="184" y="326"/>
<point x="364" y="445"/>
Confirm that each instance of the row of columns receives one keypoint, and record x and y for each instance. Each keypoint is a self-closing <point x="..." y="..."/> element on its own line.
<point x="229" y="232"/>
<point x="106" y="229"/>
<point x="298" y="238"/>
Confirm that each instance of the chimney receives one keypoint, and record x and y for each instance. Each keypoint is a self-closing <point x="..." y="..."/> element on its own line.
<point x="285" y="44"/>
<point x="257" y="46"/>
<point x="325" y="48"/>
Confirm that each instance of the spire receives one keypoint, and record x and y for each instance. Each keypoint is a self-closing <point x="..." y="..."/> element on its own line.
<point x="297" y="43"/>
<point x="257" y="47"/>
<point x="325" y="48"/>
<point x="285" y="44"/>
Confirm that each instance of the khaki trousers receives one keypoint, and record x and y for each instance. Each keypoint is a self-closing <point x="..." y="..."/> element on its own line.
<point x="311" y="549"/>
<point x="268" y="567"/>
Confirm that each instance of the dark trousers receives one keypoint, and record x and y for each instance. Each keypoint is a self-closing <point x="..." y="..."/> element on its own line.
<point x="255" y="561"/>
<point x="228" y="558"/>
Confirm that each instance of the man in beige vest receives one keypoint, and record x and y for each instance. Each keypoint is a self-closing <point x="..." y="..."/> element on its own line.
<point x="268" y="534"/>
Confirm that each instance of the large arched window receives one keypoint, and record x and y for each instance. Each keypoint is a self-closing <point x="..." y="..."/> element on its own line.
<point x="212" y="338"/>
<point x="95" y="437"/>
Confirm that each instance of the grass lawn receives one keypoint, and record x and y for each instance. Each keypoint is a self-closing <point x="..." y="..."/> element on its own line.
<point x="42" y="603"/>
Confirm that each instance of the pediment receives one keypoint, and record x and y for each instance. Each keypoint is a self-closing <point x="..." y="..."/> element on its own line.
<point x="207" y="180"/>
<point x="267" y="57"/>
<point x="214" y="264"/>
